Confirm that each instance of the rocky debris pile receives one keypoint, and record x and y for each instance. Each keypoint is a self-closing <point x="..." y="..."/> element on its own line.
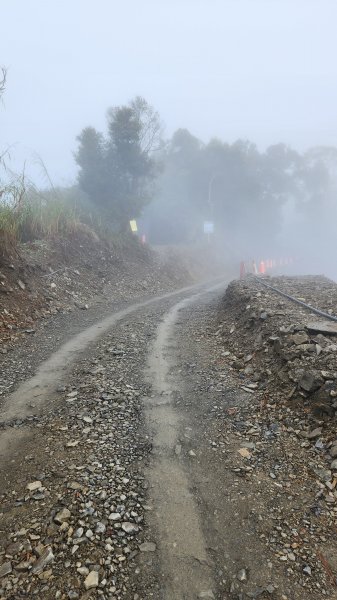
<point x="283" y="424"/>
<point x="72" y="514"/>
<point x="278" y="346"/>
<point x="67" y="275"/>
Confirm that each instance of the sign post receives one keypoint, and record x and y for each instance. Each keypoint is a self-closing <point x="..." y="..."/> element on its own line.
<point x="208" y="229"/>
<point x="133" y="226"/>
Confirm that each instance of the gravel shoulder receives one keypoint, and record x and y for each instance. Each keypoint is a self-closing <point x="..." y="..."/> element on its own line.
<point x="266" y="438"/>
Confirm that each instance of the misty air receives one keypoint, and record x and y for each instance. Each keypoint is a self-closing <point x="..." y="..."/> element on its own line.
<point x="168" y="300"/>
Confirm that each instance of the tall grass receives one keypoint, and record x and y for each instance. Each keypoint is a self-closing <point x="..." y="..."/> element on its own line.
<point x="30" y="214"/>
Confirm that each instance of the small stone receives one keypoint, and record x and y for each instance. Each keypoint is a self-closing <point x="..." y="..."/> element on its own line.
<point x="310" y="382"/>
<point x="244" y="452"/>
<point x="315" y="433"/>
<point x="129" y="527"/>
<point x="14" y="548"/>
<point x="100" y="528"/>
<point x="79" y="532"/>
<point x="62" y="516"/>
<point x="333" y="465"/>
<point x="91" y="580"/>
<point x="74" y="485"/>
<point x="46" y="557"/>
<point x="242" y="575"/>
<point x="333" y="452"/>
<point x="87" y="419"/>
<point x="45" y="575"/>
<point x="22" y="566"/>
<point x="147" y="547"/>
<point x="83" y="571"/>
<point x="5" y="569"/>
<point x="115" y="516"/>
<point x="307" y="570"/>
<point x="33" y="486"/>
<point x="300" y="338"/>
<point x="325" y="327"/>
<point x="206" y="594"/>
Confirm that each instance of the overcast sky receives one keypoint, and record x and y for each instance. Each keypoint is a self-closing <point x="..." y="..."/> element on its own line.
<point x="258" y="69"/>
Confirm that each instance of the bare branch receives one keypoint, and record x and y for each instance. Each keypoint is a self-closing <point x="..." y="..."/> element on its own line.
<point x="3" y="77"/>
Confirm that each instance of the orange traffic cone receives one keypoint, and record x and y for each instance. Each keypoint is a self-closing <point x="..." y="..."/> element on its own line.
<point x="262" y="268"/>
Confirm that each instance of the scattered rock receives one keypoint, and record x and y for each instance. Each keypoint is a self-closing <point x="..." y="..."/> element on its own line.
<point x="5" y="569"/>
<point x="323" y="327"/>
<point x="129" y="527"/>
<point x="315" y="433"/>
<point x="91" y="580"/>
<point x="310" y="382"/>
<point x="34" y="485"/>
<point x="147" y="547"/>
<point x="242" y="575"/>
<point x="46" y="557"/>
<point x="62" y="516"/>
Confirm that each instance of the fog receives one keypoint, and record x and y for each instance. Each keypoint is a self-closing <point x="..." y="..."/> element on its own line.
<point x="257" y="70"/>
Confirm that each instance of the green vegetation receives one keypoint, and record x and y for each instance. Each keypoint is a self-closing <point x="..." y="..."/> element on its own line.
<point x="253" y="198"/>
<point x="117" y="171"/>
<point x="33" y="215"/>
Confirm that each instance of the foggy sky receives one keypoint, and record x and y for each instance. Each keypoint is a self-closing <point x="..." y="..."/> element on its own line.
<point x="258" y="69"/>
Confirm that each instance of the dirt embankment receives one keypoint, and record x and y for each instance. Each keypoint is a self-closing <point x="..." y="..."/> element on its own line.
<point x="280" y="347"/>
<point x="64" y="275"/>
<point x="283" y="358"/>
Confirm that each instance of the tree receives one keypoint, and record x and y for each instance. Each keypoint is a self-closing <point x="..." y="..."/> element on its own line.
<point x="173" y="218"/>
<point x="2" y="152"/>
<point x="3" y="77"/>
<point x="90" y="157"/>
<point x="118" y="171"/>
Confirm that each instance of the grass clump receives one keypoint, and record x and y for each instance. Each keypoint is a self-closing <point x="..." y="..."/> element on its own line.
<point x="33" y="215"/>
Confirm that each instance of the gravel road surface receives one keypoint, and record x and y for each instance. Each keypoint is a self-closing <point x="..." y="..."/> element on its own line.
<point x="119" y="475"/>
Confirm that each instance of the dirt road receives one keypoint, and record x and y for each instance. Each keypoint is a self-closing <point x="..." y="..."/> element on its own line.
<point x="115" y="481"/>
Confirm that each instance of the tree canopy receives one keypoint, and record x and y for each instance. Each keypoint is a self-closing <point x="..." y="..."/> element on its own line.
<point x="117" y="170"/>
<point x="249" y="195"/>
<point x="246" y="193"/>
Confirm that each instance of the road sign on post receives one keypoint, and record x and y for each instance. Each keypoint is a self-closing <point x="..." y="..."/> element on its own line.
<point x="133" y="226"/>
<point x="208" y="229"/>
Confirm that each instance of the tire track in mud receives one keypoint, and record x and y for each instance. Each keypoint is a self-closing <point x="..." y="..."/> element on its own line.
<point x="38" y="393"/>
<point x="185" y="563"/>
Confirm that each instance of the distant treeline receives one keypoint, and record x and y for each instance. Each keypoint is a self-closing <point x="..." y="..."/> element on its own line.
<point x="178" y="184"/>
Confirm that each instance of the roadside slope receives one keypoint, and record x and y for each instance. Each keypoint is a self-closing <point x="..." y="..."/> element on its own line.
<point x="63" y="275"/>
